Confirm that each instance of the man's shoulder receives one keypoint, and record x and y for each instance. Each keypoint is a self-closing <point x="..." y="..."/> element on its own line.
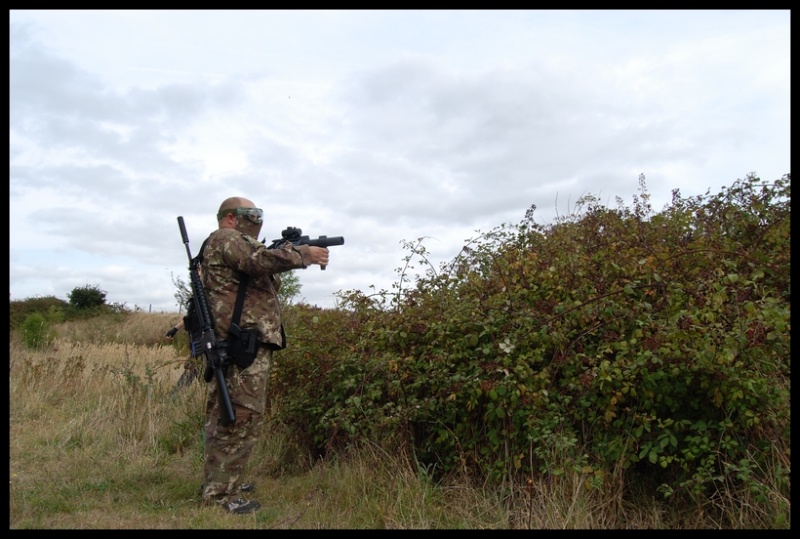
<point x="230" y="238"/>
<point x="223" y="235"/>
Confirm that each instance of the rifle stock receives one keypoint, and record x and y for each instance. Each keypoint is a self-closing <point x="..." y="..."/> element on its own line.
<point x="216" y="356"/>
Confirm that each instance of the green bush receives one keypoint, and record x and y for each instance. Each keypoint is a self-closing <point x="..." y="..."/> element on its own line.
<point x="613" y="341"/>
<point x="37" y="331"/>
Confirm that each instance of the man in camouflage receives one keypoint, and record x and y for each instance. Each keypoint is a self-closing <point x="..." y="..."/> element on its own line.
<point x="229" y="250"/>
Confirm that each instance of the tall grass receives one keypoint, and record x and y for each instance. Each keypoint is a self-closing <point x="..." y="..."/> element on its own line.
<point x="99" y="437"/>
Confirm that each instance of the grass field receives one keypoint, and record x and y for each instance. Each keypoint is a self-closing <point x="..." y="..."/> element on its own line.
<point x="100" y="439"/>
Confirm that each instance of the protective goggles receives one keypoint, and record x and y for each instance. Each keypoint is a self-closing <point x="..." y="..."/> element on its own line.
<point x="254" y="215"/>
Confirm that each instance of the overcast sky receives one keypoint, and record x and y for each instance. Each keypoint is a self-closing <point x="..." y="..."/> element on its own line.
<point x="379" y="126"/>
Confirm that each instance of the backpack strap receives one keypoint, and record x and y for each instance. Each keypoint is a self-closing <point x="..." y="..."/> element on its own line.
<point x="237" y="308"/>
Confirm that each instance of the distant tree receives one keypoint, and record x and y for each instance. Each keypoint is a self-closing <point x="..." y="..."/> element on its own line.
<point x="86" y="297"/>
<point x="290" y="289"/>
<point x="183" y="291"/>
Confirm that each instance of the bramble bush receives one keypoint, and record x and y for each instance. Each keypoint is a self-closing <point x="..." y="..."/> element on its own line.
<point x="623" y="343"/>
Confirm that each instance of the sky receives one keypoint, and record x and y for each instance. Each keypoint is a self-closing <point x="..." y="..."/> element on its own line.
<point x="383" y="127"/>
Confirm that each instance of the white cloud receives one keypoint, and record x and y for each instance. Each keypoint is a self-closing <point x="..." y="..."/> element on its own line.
<point x="379" y="126"/>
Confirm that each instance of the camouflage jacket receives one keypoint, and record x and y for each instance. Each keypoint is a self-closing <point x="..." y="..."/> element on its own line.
<point x="229" y="252"/>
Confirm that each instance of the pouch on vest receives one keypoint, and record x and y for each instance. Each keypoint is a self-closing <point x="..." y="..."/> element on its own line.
<point x="242" y="346"/>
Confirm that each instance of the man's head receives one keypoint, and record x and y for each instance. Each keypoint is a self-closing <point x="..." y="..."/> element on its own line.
<point x="241" y="214"/>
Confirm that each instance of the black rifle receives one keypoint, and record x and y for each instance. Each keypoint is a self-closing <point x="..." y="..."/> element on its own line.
<point x="294" y="236"/>
<point x="216" y="356"/>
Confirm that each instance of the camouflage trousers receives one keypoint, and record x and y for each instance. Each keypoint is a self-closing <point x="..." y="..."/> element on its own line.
<point x="228" y="448"/>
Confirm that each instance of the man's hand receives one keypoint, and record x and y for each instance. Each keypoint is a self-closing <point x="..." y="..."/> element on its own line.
<point x="319" y="255"/>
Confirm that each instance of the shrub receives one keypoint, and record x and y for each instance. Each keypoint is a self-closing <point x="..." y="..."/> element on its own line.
<point x="37" y="331"/>
<point x="19" y="310"/>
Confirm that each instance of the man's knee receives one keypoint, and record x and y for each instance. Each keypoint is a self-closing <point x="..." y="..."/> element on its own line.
<point x="245" y="415"/>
